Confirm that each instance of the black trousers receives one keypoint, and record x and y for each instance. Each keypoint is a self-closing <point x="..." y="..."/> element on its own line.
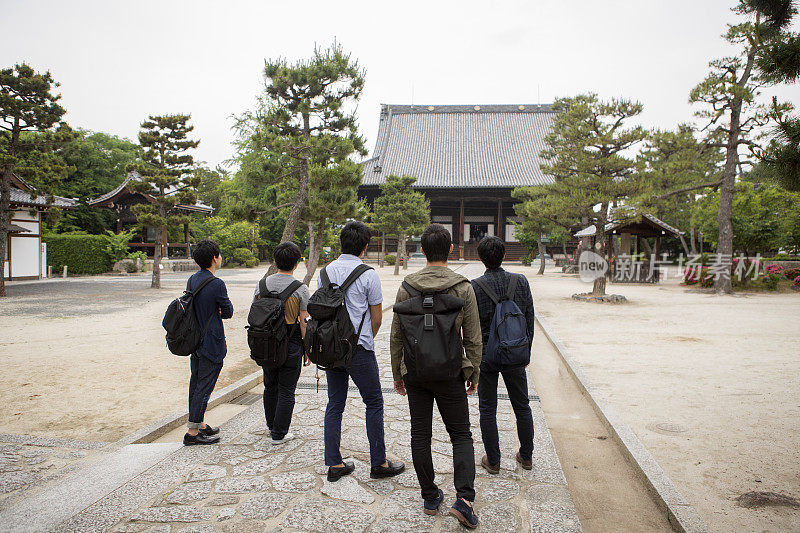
<point x="516" y="380"/>
<point x="451" y="399"/>
<point x="204" y="377"/>
<point x="279" y="386"/>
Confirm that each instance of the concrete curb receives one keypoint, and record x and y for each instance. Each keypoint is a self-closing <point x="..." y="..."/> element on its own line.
<point x="681" y="515"/>
<point x="164" y="425"/>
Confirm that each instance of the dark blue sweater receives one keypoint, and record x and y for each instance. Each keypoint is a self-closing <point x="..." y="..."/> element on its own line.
<point x="212" y="302"/>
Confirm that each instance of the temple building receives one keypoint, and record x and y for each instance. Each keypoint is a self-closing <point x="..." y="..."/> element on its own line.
<point x="123" y="198"/>
<point x="26" y="255"/>
<point x="467" y="159"/>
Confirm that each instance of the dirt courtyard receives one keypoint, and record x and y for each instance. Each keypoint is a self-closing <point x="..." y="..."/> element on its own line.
<point x="710" y="385"/>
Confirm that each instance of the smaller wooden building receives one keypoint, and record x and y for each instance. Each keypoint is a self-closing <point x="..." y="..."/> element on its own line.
<point x="123" y="198"/>
<point x="25" y="254"/>
<point x="633" y="260"/>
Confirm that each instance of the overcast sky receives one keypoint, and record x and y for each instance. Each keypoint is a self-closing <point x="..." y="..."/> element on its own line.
<point x="120" y="61"/>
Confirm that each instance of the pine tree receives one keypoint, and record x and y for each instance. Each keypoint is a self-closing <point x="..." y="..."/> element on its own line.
<point x="304" y="119"/>
<point x="27" y="104"/>
<point x="166" y="172"/>
<point x="401" y="211"/>
<point x="586" y="156"/>
<point x="333" y="198"/>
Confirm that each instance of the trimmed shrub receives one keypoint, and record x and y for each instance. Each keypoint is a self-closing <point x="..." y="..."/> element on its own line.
<point x="83" y="254"/>
<point x="796" y="284"/>
<point x="243" y="256"/>
<point x="390" y="259"/>
<point x="773" y="269"/>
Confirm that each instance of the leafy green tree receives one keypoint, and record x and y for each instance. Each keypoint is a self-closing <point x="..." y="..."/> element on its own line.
<point x="304" y="119"/>
<point x="166" y="175"/>
<point x="540" y="217"/>
<point x="27" y="103"/>
<point x="586" y="156"/>
<point x="728" y="95"/>
<point x="401" y="211"/>
<point x="238" y="241"/>
<point x="333" y="197"/>
<point x="765" y="218"/>
<point x="675" y="164"/>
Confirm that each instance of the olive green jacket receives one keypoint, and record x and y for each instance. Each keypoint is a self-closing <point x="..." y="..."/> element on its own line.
<point x="437" y="278"/>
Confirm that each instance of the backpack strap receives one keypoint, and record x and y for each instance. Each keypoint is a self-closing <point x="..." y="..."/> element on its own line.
<point x="288" y="291"/>
<point x="410" y="290"/>
<point x="262" y="288"/>
<point x="200" y="287"/>
<point x="354" y="275"/>
<point x="326" y="281"/>
<point x="489" y="292"/>
<point x="512" y="287"/>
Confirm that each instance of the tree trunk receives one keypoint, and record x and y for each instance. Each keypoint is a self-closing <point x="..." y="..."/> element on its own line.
<point x="599" y="287"/>
<point x="314" y="250"/>
<point x="693" y="239"/>
<point x="564" y="249"/>
<point x="5" y="216"/>
<point x="542" y="250"/>
<point x="405" y="254"/>
<point x="302" y="195"/>
<point x="156" y="281"/>
<point x="400" y="238"/>
<point x="647" y="248"/>
<point x="383" y="249"/>
<point x="685" y="248"/>
<point x="722" y="284"/>
<point x="310" y="240"/>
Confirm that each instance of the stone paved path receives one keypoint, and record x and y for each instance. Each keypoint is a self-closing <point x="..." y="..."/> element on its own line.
<point x="246" y="485"/>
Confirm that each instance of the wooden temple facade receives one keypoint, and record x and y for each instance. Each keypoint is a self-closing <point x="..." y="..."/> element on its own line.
<point x="467" y="160"/>
<point x="123" y="198"/>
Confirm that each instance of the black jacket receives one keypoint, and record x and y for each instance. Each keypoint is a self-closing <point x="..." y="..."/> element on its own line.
<point x="212" y="302"/>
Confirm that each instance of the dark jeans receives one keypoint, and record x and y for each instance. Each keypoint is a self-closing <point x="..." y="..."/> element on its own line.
<point x="516" y="380"/>
<point x="204" y="376"/>
<point x="364" y="371"/>
<point x="451" y="399"/>
<point x="279" y="386"/>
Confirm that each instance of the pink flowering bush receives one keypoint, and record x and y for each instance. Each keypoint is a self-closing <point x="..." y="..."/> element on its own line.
<point x="791" y="273"/>
<point x="796" y="283"/>
<point x="698" y="276"/>
<point x="773" y="269"/>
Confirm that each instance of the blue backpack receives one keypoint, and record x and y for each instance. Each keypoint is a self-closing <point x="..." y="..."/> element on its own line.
<point x="508" y="333"/>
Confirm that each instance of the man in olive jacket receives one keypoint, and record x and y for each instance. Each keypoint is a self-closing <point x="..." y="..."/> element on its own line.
<point x="450" y="396"/>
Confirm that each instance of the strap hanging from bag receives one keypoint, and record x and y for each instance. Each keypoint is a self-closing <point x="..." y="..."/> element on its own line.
<point x="512" y="287"/>
<point x="288" y="291"/>
<point x="489" y="292"/>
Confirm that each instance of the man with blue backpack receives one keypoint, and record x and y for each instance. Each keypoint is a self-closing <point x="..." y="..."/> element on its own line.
<point x="505" y="307"/>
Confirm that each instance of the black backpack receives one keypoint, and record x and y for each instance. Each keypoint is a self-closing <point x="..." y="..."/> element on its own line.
<point x="432" y="348"/>
<point x="267" y="330"/>
<point x="330" y="339"/>
<point x="183" y="331"/>
<point x="508" y="343"/>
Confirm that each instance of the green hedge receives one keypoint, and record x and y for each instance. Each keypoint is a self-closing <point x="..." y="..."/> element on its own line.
<point x="83" y="254"/>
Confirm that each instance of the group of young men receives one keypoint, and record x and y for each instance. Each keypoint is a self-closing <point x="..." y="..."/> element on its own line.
<point x="476" y="329"/>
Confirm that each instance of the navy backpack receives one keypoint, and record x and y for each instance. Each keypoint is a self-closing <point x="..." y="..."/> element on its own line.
<point x="508" y="333"/>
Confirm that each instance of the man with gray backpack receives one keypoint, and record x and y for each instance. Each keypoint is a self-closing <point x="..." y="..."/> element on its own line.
<point x="346" y="313"/>
<point x="276" y="325"/>
<point x="436" y="356"/>
<point x="505" y="305"/>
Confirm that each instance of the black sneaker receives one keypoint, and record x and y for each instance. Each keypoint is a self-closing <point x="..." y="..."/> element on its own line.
<point x="393" y="469"/>
<point x="337" y="472"/>
<point x="200" y="438"/>
<point x="209" y="431"/>
<point x="464" y="513"/>
<point x="431" y="507"/>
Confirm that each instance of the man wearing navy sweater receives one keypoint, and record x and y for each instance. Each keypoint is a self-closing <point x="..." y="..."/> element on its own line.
<point x="211" y="305"/>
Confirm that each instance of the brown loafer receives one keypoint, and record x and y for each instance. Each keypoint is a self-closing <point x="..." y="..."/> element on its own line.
<point x="492" y="469"/>
<point x="527" y="465"/>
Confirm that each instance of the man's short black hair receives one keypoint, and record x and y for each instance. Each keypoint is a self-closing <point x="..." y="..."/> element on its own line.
<point x="287" y="255"/>
<point x="354" y="237"/>
<point x="204" y="253"/>
<point x="436" y="243"/>
<point x="491" y="250"/>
